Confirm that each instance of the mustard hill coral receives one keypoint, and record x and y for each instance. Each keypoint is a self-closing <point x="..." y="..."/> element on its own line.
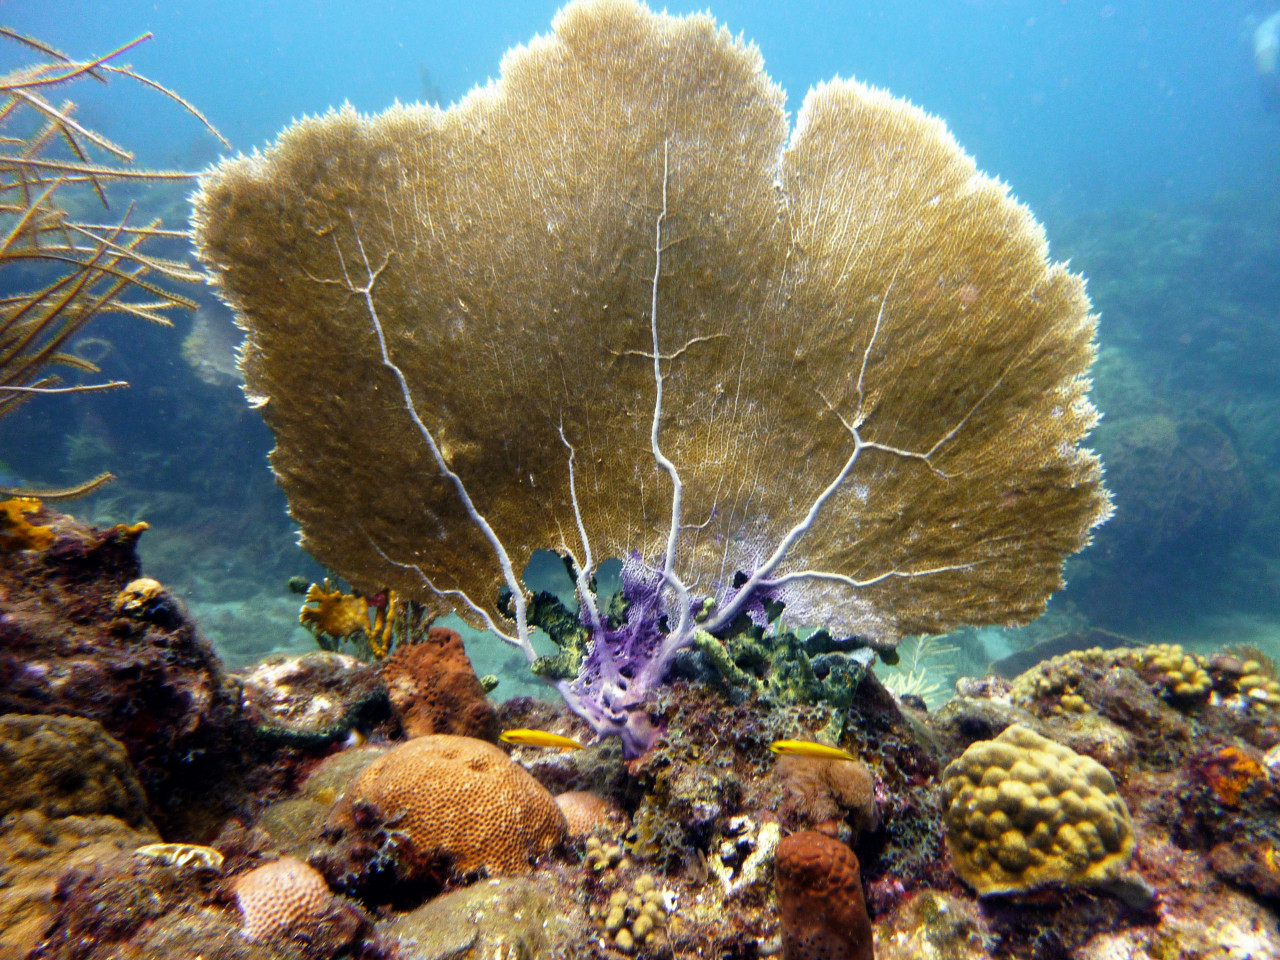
<point x="1023" y="811"/>
<point x="829" y="366"/>
<point x="634" y="919"/>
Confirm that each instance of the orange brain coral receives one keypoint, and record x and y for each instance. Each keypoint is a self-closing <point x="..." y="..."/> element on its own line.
<point x="463" y="801"/>
<point x="279" y="897"/>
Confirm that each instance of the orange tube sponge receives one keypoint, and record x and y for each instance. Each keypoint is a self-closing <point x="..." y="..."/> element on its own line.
<point x="824" y="916"/>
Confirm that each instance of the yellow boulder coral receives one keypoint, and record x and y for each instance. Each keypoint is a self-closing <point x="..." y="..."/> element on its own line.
<point x="1024" y="812"/>
<point x="1182" y="676"/>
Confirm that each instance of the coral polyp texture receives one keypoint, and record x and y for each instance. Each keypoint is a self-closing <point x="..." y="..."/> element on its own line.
<point x="830" y="366"/>
<point x="280" y="898"/>
<point x="1024" y="812"/>
<point x="459" y="804"/>
<point x="586" y="812"/>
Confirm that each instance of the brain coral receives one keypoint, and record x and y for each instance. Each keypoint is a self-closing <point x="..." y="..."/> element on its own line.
<point x="586" y="812"/>
<point x="457" y="800"/>
<point x="1023" y="811"/>
<point x="281" y="897"/>
<point x="824" y="916"/>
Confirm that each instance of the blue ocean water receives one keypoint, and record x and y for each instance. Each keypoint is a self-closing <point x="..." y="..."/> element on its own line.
<point x="1078" y="103"/>
<point x="1143" y="134"/>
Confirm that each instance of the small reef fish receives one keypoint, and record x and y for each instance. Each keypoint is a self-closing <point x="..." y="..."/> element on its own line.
<point x="540" y="738"/>
<point x="807" y="748"/>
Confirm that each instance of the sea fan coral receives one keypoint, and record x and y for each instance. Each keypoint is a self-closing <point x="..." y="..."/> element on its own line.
<point x="620" y="309"/>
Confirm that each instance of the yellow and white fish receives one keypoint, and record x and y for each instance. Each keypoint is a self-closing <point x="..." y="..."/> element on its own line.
<point x="807" y="748"/>
<point x="540" y="738"/>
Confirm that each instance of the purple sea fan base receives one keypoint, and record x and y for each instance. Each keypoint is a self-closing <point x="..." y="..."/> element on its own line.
<point x="623" y="665"/>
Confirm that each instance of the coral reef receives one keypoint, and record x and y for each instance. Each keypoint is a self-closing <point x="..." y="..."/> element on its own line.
<point x="138" y="906"/>
<point x="294" y="823"/>
<point x="679" y="852"/>
<point x="71" y="799"/>
<point x="143" y="672"/>
<point x="83" y="634"/>
<point x="67" y="766"/>
<point x="433" y="688"/>
<point x="314" y="699"/>
<point x="502" y="917"/>
<point x="820" y="900"/>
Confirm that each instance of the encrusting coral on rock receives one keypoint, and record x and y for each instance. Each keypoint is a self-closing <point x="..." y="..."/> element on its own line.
<point x="70" y="799"/>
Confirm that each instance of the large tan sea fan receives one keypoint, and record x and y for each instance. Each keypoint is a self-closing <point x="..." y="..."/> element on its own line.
<point x="611" y="304"/>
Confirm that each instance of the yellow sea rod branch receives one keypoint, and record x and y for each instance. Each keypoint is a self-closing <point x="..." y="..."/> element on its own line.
<point x="82" y="388"/>
<point x="521" y="639"/>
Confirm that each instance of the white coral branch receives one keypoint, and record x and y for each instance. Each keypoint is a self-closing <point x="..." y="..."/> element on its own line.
<point x="504" y="560"/>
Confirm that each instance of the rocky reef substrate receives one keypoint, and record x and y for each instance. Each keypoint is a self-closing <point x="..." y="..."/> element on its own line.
<point x="1118" y="802"/>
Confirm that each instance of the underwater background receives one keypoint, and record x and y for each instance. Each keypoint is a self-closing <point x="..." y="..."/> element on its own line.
<point x="1144" y="135"/>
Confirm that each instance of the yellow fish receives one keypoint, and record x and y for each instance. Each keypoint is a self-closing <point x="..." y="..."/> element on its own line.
<point x="807" y="748"/>
<point x="540" y="738"/>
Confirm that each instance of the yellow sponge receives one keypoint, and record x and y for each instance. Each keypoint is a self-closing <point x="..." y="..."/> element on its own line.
<point x="1024" y="812"/>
